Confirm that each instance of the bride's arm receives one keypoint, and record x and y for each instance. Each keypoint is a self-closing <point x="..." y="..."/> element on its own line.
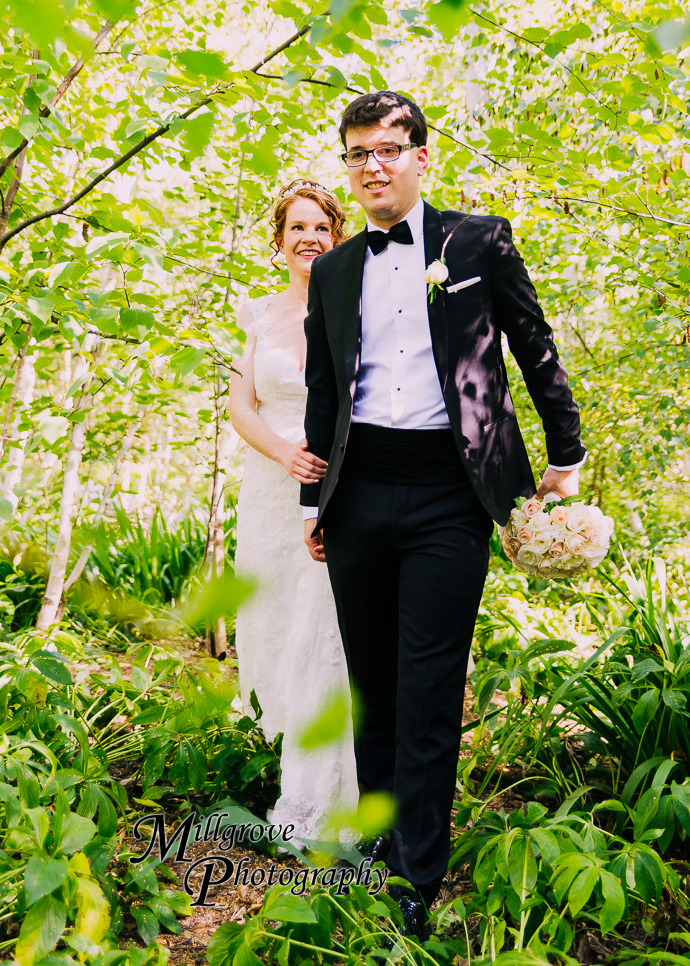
<point x="299" y="463"/>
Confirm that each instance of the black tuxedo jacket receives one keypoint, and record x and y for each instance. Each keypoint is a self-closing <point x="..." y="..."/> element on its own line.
<point x="466" y="329"/>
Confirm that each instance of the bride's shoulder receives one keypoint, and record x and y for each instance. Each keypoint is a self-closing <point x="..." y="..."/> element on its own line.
<point x="255" y="316"/>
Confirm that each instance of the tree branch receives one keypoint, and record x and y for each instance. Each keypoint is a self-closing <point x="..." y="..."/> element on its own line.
<point x="163" y="129"/>
<point x="61" y="91"/>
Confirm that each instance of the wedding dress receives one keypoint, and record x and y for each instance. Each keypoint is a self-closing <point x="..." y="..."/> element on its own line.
<point x="287" y="638"/>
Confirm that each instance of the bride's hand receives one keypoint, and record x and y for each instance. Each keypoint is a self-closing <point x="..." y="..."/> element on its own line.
<point x="302" y="465"/>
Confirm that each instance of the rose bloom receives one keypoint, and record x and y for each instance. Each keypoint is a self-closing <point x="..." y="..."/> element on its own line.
<point x="575" y="543"/>
<point x="540" y="521"/>
<point x="517" y="519"/>
<point x="541" y="541"/>
<point x="557" y="550"/>
<point x="574" y="561"/>
<point x="436" y="273"/>
<point x="531" y="507"/>
<point x="524" y="534"/>
<point x="578" y="517"/>
<point x="593" y="534"/>
<point x="559" y="515"/>
<point x="558" y="534"/>
<point x="528" y="557"/>
<point x="546" y="566"/>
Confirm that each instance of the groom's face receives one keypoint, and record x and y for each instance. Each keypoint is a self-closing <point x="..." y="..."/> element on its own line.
<point x="386" y="191"/>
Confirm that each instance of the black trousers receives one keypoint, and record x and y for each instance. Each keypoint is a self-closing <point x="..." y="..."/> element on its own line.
<point x="407" y="564"/>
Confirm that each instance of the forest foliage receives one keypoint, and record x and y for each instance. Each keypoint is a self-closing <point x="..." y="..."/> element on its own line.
<point x="141" y="145"/>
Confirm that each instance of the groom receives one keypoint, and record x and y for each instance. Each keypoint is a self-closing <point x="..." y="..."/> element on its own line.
<point x="409" y="404"/>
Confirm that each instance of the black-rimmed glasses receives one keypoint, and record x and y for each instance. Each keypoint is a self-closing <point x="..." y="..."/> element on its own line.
<point x="384" y="154"/>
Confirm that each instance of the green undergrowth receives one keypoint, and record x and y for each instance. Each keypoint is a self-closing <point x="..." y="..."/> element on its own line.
<point x="573" y="810"/>
<point x="89" y="742"/>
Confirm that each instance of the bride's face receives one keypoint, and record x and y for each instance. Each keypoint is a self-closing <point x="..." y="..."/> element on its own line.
<point x="307" y="234"/>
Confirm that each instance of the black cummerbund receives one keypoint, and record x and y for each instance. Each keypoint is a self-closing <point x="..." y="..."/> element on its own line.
<point x="402" y="455"/>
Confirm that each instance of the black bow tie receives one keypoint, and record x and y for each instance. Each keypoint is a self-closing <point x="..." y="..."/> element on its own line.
<point x="400" y="233"/>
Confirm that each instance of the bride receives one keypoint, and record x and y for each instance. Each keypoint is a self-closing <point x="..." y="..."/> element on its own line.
<point x="288" y="644"/>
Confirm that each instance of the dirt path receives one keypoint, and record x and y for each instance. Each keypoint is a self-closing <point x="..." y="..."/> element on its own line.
<point x="234" y="902"/>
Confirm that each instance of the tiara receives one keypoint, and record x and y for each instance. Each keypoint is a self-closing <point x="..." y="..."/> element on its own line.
<point x="295" y="186"/>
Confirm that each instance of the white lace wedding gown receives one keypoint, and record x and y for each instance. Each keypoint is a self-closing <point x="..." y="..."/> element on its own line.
<point x="287" y="636"/>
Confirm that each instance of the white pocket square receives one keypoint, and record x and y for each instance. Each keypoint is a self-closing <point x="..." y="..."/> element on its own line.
<point x="465" y="284"/>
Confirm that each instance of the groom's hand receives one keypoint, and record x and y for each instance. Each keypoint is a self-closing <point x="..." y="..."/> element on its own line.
<point x="562" y="483"/>
<point x="314" y="544"/>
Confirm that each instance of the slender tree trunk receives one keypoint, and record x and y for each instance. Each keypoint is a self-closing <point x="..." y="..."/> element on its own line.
<point x="23" y="392"/>
<point x="78" y="568"/>
<point x="7" y="423"/>
<point x="217" y="639"/>
<point x="48" y="613"/>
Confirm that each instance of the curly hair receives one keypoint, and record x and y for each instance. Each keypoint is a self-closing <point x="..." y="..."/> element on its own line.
<point x="325" y="199"/>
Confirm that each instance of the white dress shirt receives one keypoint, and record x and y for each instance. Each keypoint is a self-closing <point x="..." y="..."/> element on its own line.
<point x="397" y="384"/>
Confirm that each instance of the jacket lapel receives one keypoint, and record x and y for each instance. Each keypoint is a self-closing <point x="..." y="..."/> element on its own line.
<point x="433" y="245"/>
<point x="352" y="306"/>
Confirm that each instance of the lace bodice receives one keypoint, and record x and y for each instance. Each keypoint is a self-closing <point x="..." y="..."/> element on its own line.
<point x="281" y="394"/>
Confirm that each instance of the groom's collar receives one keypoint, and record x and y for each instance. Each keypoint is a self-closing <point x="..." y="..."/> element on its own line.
<point x="414" y="218"/>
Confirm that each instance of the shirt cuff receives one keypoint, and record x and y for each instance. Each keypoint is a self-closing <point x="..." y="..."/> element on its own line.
<point x="310" y="512"/>
<point x="566" y="469"/>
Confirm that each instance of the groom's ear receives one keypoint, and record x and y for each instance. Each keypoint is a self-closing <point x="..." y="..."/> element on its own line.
<point x="422" y="159"/>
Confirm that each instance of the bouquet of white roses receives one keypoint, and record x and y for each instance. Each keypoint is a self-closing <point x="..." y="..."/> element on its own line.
<point x="561" y="541"/>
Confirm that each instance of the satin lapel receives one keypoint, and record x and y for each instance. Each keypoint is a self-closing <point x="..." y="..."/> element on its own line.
<point x="352" y="306"/>
<point x="433" y="245"/>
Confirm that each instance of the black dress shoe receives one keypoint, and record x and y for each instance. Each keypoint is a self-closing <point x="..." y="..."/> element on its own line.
<point x="414" y="912"/>
<point x="376" y="849"/>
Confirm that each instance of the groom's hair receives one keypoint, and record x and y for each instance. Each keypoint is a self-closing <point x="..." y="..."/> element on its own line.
<point x="370" y="109"/>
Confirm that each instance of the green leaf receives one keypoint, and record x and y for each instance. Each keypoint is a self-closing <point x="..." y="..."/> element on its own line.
<point x="137" y="322"/>
<point x="185" y="360"/>
<point x="245" y="956"/>
<point x="76" y="832"/>
<point x="329" y="723"/>
<point x="60" y="273"/>
<point x="40" y="308"/>
<point x="42" y="20"/>
<point x="675" y="700"/>
<point x="646" y="708"/>
<point x="197" y="134"/>
<point x="203" y="63"/>
<point x="10" y="138"/>
<point x="114" y="10"/>
<point x="224" y="943"/>
<point x="285" y="907"/>
<point x="43" y="875"/>
<point x="42" y="927"/>
<point x="582" y="889"/>
<point x="28" y="125"/>
<point x="93" y="910"/>
<point x="147" y="923"/>
<point x="614" y="902"/>
<point x="55" y="670"/>
<point x="449" y="15"/>
<point x="150" y="255"/>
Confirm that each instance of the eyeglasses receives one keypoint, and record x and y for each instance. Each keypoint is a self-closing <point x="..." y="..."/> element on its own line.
<point x="384" y="154"/>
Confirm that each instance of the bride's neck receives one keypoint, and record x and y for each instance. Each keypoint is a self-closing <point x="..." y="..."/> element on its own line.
<point x="297" y="289"/>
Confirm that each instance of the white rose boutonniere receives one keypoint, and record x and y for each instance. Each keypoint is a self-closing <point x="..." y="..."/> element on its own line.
<point x="436" y="275"/>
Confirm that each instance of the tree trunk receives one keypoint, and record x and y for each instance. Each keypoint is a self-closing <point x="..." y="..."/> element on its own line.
<point x="15" y="444"/>
<point x="48" y="613"/>
<point x="78" y="568"/>
<point x="217" y="639"/>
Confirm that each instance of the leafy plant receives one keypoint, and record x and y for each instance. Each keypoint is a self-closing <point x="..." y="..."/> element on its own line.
<point x="151" y="564"/>
<point x="537" y="876"/>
